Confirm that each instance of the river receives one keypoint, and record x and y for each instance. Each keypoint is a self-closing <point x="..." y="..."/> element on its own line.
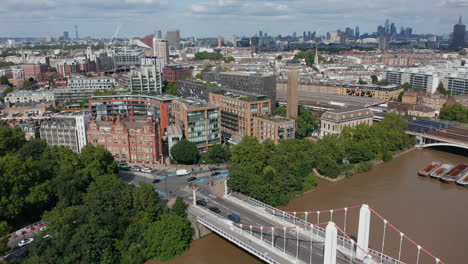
<point x="432" y="213"/>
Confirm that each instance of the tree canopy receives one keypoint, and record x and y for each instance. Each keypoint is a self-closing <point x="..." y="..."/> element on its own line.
<point x="218" y="154"/>
<point x="456" y="112"/>
<point x="185" y="152"/>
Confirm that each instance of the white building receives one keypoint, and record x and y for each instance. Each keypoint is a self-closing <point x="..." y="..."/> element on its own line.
<point x="147" y="78"/>
<point x="68" y="131"/>
<point x="97" y="84"/>
<point x="28" y="96"/>
<point x="161" y="49"/>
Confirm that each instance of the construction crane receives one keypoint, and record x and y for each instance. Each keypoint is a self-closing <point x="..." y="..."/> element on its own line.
<point x="108" y="45"/>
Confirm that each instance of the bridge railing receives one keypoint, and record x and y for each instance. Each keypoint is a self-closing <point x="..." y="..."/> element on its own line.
<point x="384" y="259"/>
<point x="247" y="247"/>
<point x="319" y="231"/>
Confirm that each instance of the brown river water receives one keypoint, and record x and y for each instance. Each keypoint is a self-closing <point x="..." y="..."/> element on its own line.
<point x="432" y="213"/>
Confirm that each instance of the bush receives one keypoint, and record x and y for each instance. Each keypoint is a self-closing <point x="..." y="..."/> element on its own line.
<point x="387" y="156"/>
<point x="185" y="152"/>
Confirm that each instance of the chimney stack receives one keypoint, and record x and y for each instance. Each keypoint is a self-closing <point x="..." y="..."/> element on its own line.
<point x="293" y="90"/>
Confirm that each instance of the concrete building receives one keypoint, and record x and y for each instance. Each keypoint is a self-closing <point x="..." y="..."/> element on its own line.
<point x="66" y="94"/>
<point x="159" y="107"/>
<point x="127" y="58"/>
<point x="36" y="71"/>
<point x="200" y="121"/>
<point x="147" y="78"/>
<point x="24" y="96"/>
<point x="161" y="49"/>
<point x="257" y="83"/>
<point x="456" y="85"/>
<point x="70" y="67"/>
<point x="96" y="84"/>
<point x="238" y="111"/>
<point x="334" y="121"/>
<point x="384" y="42"/>
<point x="174" y="73"/>
<point x="458" y="38"/>
<point x="197" y="89"/>
<point x="273" y="128"/>
<point x="292" y="107"/>
<point x="28" y="108"/>
<point x="68" y="131"/>
<point x="134" y="139"/>
<point x="173" y="38"/>
<point x="387" y="92"/>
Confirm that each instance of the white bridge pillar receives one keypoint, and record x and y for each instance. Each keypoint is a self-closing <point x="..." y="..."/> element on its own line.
<point x="329" y="256"/>
<point x="194" y="195"/>
<point x="226" y="191"/>
<point x="363" y="232"/>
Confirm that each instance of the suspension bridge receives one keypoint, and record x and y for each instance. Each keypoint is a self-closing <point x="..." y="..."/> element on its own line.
<point x="325" y="236"/>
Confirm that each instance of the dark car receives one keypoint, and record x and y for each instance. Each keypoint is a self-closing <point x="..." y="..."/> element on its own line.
<point x="215" y="173"/>
<point x="214" y="169"/>
<point x="214" y="209"/>
<point x="235" y="218"/>
<point x="201" y="202"/>
<point x="191" y="179"/>
<point x="156" y="180"/>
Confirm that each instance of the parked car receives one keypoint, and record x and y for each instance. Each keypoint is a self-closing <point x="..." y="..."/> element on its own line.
<point x="215" y="173"/>
<point x="182" y="172"/>
<point x="214" y="209"/>
<point x="201" y="202"/>
<point x="191" y="179"/>
<point x="214" y="168"/>
<point x="135" y="168"/>
<point x="235" y="218"/>
<point x="123" y="165"/>
<point x="25" y="242"/>
<point x="156" y="180"/>
<point x="147" y="170"/>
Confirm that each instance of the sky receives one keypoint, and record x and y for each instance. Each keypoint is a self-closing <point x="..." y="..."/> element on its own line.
<point x="205" y="18"/>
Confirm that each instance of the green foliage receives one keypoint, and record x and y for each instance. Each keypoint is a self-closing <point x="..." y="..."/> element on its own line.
<point x="26" y="84"/>
<point x="169" y="88"/>
<point x="179" y="208"/>
<point x="456" y="112"/>
<point x="387" y="156"/>
<point x="11" y="139"/>
<point x="185" y="152"/>
<point x="218" y="154"/>
<point x="4" y="232"/>
<point x="198" y="76"/>
<point x="6" y="64"/>
<point x="376" y="81"/>
<point x="168" y="238"/>
<point x="400" y="96"/>
<point x="309" y="57"/>
<point x="406" y="86"/>
<point x="442" y="90"/>
<point x="229" y="59"/>
<point x="279" y="57"/>
<point x="207" y="69"/>
<point x="146" y="202"/>
<point x="361" y="81"/>
<point x="306" y="122"/>
<point x="4" y="81"/>
<point x="213" y="56"/>
<point x="281" y="111"/>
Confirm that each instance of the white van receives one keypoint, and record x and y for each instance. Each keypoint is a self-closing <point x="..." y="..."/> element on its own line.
<point x="182" y="172"/>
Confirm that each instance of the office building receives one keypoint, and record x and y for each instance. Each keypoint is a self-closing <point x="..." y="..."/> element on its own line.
<point x="134" y="139"/>
<point x="200" y="121"/>
<point x="23" y="96"/>
<point x="458" y="38"/>
<point x="127" y="58"/>
<point x="174" y="73"/>
<point x="456" y="85"/>
<point x="147" y="78"/>
<point x="273" y="128"/>
<point x="173" y="38"/>
<point x="68" y="131"/>
<point x="161" y="49"/>
<point x="292" y="107"/>
<point x="334" y="121"/>
<point x="133" y="104"/>
<point x="96" y="84"/>
<point x="104" y="62"/>
<point x="238" y="110"/>
<point x="256" y="83"/>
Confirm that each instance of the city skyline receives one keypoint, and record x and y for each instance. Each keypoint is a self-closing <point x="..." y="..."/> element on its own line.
<point x="202" y="19"/>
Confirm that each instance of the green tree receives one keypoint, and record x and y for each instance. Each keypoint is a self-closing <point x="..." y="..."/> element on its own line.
<point x="306" y="123"/>
<point x="406" y="86"/>
<point x="26" y="84"/>
<point x="198" y="76"/>
<point x="400" y="96"/>
<point x="146" y="202"/>
<point x="361" y="81"/>
<point x="249" y="154"/>
<point x="4" y="233"/>
<point x="207" y="68"/>
<point x="281" y="111"/>
<point x="170" y="88"/>
<point x="11" y="139"/>
<point x="179" y="208"/>
<point x="374" y="79"/>
<point x="456" y="112"/>
<point x="441" y="89"/>
<point x="185" y="152"/>
<point x="208" y="56"/>
<point x="4" y="81"/>
<point x="218" y="154"/>
<point x="168" y="238"/>
<point x="229" y="59"/>
<point x="279" y="57"/>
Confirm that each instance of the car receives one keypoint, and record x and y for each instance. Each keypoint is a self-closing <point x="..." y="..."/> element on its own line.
<point x="135" y="168"/>
<point x="47" y="236"/>
<point x="214" y="169"/>
<point x="147" y="170"/>
<point x="182" y="172"/>
<point x="214" y="209"/>
<point x="235" y="218"/>
<point x="156" y="180"/>
<point x="123" y="165"/>
<point x="215" y="173"/>
<point x="191" y="179"/>
<point x="201" y="202"/>
<point x="25" y="242"/>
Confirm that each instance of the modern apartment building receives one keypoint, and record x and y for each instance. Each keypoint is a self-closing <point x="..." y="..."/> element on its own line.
<point x="456" y="85"/>
<point x="134" y="139"/>
<point x="333" y="122"/>
<point x="417" y="79"/>
<point x="200" y="121"/>
<point x="158" y="107"/>
<point x="238" y="111"/>
<point x="127" y="58"/>
<point x="147" y="78"/>
<point x="274" y="128"/>
<point x="257" y="83"/>
<point x="68" y="131"/>
<point x="96" y="84"/>
<point x="23" y="96"/>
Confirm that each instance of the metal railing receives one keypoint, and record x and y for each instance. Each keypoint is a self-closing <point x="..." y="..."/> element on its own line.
<point x="236" y="241"/>
<point x="384" y="259"/>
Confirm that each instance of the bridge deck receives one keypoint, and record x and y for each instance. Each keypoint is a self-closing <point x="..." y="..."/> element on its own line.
<point x="452" y="134"/>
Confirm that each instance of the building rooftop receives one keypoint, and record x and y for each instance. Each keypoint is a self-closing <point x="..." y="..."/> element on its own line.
<point x="276" y="119"/>
<point x="163" y="98"/>
<point x="192" y="103"/>
<point x="347" y="110"/>
<point x="390" y="87"/>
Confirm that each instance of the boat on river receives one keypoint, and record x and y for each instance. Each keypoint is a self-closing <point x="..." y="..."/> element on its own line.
<point x="463" y="180"/>
<point x="455" y="173"/>
<point x="429" y="168"/>
<point x="439" y="172"/>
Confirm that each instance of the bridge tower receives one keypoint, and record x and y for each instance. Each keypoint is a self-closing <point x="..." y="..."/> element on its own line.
<point x="329" y="256"/>
<point x="363" y="231"/>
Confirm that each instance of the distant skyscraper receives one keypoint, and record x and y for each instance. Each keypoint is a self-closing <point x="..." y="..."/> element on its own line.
<point x="313" y="35"/>
<point x="380" y="31"/>
<point x="408" y="32"/>
<point x="66" y="35"/>
<point x="387" y="27"/>
<point x="384" y="42"/>
<point x="402" y="31"/>
<point x="161" y="49"/>
<point x="173" y="38"/>
<point x="304" y="36"/>
<point x="76" y="31"/>
<point x="220" y="42"/>
<point x="159" y="35"/>
<point x="357" y="33"/>
<point x="458" y="39"/>
<point x="260" y="34"/>
<point x="393" y="29"/>
<point x="294" y="35"/>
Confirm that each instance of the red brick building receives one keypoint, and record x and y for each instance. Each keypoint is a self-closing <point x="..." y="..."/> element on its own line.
<point x="134" y="139"/>
<point x="175" y="73"/>
<point x="36" y="71"/>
